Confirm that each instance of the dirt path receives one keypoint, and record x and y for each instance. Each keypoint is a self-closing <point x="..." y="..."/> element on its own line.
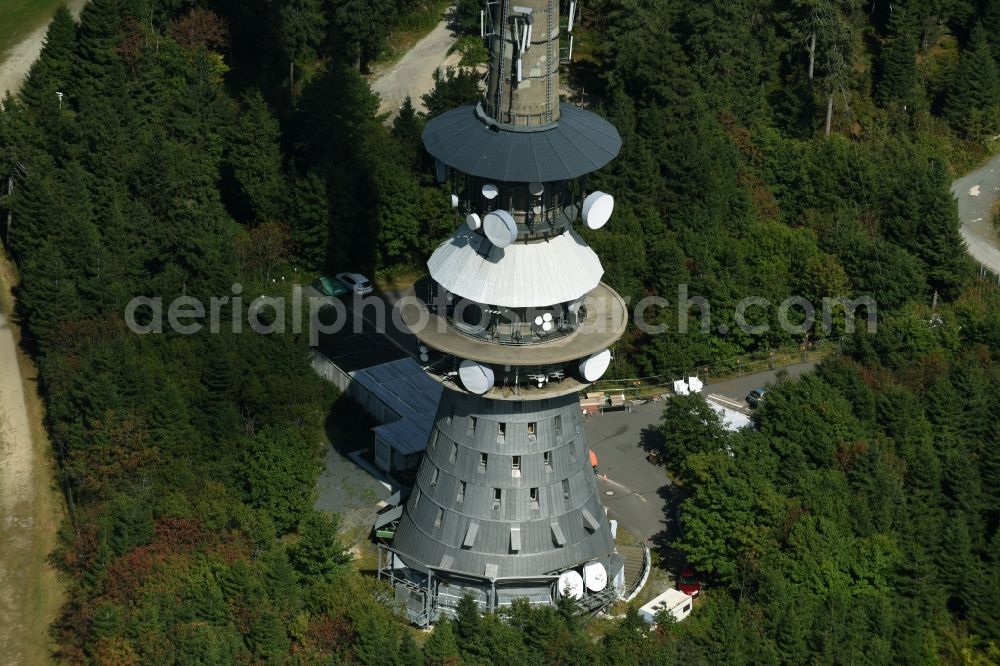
<point x="976" y="193"/>
<point x="15" y="63"/>
<point x="413" y="75"/>
<point x="30" y="595"/>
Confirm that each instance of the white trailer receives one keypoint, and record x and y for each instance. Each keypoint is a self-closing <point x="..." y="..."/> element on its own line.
<point x="672" y="601"/>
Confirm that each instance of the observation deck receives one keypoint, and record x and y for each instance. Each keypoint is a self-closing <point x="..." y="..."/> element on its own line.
<point x="604" y="317"/>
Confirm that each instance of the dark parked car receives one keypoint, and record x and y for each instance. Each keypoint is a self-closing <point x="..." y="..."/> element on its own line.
<point x="755" y="396"/>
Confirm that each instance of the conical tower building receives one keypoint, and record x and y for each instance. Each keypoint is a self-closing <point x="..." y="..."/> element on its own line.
<point x="515" y="320"/>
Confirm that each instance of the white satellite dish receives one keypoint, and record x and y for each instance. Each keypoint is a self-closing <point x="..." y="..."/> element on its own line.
<point x="547" y="316"/>
<point x="575" y="306"/>
<point x="424" y="358"/>
<point x="547" y="326"/>
<point x="490" y="191"/>
<point x="595" y="576"/>
<point x="473" y="221"/>
<point x="476" y="377"/>
<point x="539" y="320"/>
<point x="536" y="189"/>
<point x="500" y="228"/>
<point x="571" y="585"/>
<point x="454" y="201"/>
<point x="597" y="209"/>
<point x="593" y="367"/>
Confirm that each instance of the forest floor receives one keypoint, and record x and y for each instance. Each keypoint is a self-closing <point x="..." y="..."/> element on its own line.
<point x="413" y="74"/>
<point x="977" y="193"/>
<point x="30" y="506"/>
<point x="25" y="23"/>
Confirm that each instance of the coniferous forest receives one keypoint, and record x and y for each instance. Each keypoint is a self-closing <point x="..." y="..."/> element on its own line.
<point x="771" y="148"/>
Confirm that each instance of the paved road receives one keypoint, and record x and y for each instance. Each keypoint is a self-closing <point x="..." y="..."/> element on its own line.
<point x="413" y="75"/>
<point x="976" y="194"/>
<point x="642" y="491"/>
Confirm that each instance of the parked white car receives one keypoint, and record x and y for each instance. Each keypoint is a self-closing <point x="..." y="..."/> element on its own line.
<point x="356" y="282"/>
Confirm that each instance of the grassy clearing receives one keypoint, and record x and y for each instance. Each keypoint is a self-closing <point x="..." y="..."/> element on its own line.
<point x="19" y="17"/>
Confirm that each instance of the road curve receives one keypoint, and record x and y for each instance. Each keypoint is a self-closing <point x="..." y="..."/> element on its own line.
<point x="413" y="75"/>
<point x="16" y="61"/>
<point x="976" y="194"/>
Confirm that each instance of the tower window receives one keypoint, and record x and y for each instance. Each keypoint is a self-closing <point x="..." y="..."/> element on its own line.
<point x="547" y="459"/>
<point x="454" y="452"/>
<point x="532" y="431"/>
<point x="497" y="498"/>
<point x="572" y="452"/>
<point x="565" y="488"/>
<point x="461" y="493"/>
<point x="558" y="425"/>
<point x="472" y="426"/>
<point x="515" y="465"/>
<point x="434" y="440"/>
<point x="501" y="432"/>
<point x="439" y="519"/>
<point x="533" y="496"/>
<point x="434" y="477"/>
<point x="483" y="459"/>
<point x="416" y="498"/>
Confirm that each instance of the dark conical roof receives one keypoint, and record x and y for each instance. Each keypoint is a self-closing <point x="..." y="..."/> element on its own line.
<point x="581" y="142"/>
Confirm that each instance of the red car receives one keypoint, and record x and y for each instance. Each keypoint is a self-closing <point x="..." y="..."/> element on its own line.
<point x="688" y="583"/>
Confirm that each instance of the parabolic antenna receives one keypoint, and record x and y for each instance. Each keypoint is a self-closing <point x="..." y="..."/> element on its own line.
<point x="454" y="201"/>
<point x="490" y="191"/>
<point x="595" y="576"/>
<point x="500" y="228"/>
<point x="575" y="306"/>
<point x="476" y="377"/>
<point x="536" y="189"/>
<point x="571" y="585"/>
<point x="593" y="367"/>
<point x="597" y="209"/>
<point x="570" y="213"/>
<point x="473" y="221"/>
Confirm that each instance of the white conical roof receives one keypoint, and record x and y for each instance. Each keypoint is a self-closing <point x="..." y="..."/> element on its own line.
<point x="522" y="275"/>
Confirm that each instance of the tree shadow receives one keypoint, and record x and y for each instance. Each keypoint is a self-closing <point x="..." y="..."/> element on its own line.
<point x="671" y="559"/>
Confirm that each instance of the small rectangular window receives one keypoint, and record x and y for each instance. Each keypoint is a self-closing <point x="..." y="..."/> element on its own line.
<point x="472" y="426"/>
<point x="501" y="432"/>
<point x="454" y="452"/>
<point x="686" y="608"/>
<point x="558" y="425"/>
<point x="483" y="459"/>
<point x="515" y="466"/>
<point x="497" y="497"/>
<point x="565" y="487"/>
<point x="533" y="496"/>
<point x="434" y="440"/>
<point x="547" y="459"/>
<point x="439" y="519"/>
<point x="434" y="477"/>
<point x="572" y="453"/>
<point x="416" y="498"/>
<point x="461" y="493"/>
